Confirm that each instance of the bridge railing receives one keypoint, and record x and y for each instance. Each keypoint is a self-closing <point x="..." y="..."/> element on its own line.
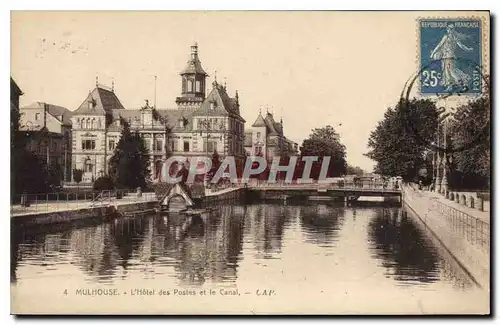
<point x="379" y="186"/>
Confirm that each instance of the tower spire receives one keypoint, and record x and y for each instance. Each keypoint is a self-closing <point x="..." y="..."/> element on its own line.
<point x="97" y="80"/>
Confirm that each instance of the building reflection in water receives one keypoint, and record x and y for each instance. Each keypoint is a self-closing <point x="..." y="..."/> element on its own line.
<point x="265" y="224"/>
<point x="322" y="222"/>
<point x="210" y="247"/>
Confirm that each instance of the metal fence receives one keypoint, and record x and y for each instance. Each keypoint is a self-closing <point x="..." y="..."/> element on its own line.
<point x="47" y="202"/>
<point x="474" y="230"/>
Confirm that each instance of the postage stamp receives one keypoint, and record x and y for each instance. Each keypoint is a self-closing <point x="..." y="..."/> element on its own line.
<point x="451" y="52"/>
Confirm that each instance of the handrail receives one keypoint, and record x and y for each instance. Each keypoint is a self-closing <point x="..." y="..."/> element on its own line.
<point x="475" y="230"/>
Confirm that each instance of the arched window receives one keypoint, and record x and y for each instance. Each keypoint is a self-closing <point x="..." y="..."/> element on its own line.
<point x="88" y="166"/>
<point x="190" y="85"/>
<point x="92" y="123"/>
<point x="98" y="123"/>
<point x="82" y="123"/>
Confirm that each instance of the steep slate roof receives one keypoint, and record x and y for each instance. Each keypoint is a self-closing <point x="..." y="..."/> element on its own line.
<point x="14" y="87"/>
<point x="259" y="121"/>
<point x="225" y="105"/>
<point x="270" y="123"/>
<point x="194" y="65"/>
<point x="54" y="110"/>
<point x="105" y="101"/>
<point x="171" y="115"/>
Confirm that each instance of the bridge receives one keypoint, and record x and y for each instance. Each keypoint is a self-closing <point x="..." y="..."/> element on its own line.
<point x="348" y="191"/>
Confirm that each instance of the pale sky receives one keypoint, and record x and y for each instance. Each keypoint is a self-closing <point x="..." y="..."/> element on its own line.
<point x="311" y="68"/>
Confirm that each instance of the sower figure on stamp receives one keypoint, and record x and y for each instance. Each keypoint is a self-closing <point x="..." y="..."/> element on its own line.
<point x="446" y="51"/>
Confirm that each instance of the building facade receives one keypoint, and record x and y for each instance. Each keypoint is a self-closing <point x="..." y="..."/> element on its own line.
<point x="266" y="138"/>
<point x="47" y="134"/>
<point x="199" y="126"/>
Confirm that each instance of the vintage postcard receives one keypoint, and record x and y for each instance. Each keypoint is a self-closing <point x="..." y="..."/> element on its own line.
<point x="250" y="162"/>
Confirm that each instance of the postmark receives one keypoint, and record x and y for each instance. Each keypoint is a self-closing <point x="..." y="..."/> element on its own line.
<point x="451" y="73"/>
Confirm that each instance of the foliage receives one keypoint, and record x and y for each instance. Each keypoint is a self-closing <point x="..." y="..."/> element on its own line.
<point x="401" y="139"/>
<point x="215" y="165"/>
<point x="129" y="165"/>
<point x="354" y="170"/>
<point x="28" y="173"/>
<point x="31" y="175"/>
<point x="77" y="175"/>
<point x="324" y="142"/>
<point x="104" y="183"/>
<point x="470" y="127"/>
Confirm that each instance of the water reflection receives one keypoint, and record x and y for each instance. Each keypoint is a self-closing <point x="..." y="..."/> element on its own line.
<point x="210" y="248"/>
<point x="321" y="223"/>
<point x="402" y="247"/>
<point x="265" y="223"/>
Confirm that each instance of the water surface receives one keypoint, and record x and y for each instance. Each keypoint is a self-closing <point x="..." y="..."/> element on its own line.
<point x="318" y="258"/>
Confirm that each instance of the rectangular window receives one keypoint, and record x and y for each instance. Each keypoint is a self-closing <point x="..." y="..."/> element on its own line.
<point x="37" y="116"/>
<point x="158" y="145"/>
<point x="172" y="145"/>
<point x="186" y="146"/>
<point x="88" y="144"/>
<point x="147" y="143"/>
<point x="258" y="135"/>
<point x="111" y="145"/>
<point x="210" y="147"/>
<point x="198" y="86"/>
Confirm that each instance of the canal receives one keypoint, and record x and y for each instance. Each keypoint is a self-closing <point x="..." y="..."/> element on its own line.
<point x="261" y="258"/>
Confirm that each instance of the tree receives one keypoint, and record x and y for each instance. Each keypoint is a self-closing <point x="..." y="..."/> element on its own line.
<point x="325" y="142"/>
<point x="104" y="183"/>
<point x="400" y="140"/>
<point x="354" y="170"/>
<point x="129" y="165"/>
<point x="215" y="165"/>
<point x="77" y="175"/>
<point x="28" y="173"/>
<point x="470" y="129"/>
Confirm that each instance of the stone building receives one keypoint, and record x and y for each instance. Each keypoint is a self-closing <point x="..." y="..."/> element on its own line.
<point x="266" y="138"/>
<point x="200" y="125"/>
<point x="47" y="134"/>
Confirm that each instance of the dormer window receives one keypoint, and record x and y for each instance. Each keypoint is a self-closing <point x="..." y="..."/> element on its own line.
<point x="91" y="103"/>
<point x="213" y="105"/>
<point x="181" y="123"/>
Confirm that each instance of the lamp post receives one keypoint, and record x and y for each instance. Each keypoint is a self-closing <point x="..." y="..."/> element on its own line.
<point x="444" y="180"/>
<point x="437" y="182"/>
<point x="433" y="182"/>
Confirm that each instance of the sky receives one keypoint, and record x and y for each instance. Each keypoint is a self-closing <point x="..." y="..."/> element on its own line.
<point x="311" y="68"/>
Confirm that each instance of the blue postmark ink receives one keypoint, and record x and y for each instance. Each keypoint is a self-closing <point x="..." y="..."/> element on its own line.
<point x="450" y="56"/>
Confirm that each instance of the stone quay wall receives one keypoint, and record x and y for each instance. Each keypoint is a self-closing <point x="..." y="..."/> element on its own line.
<point x="103" y="212"/>
<point x="229" y="195"/>
<point x="464" y="236"/>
